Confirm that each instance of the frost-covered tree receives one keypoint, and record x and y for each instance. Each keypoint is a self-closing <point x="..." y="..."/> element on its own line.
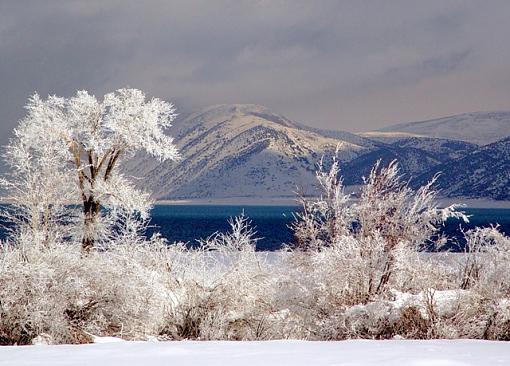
<point x="67" y="150"/>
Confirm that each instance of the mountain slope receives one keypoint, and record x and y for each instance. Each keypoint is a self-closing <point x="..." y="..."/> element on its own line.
<point x="239" y="151"/>
<point x="246" y="151"/>
<point x="482" y="173"/>
<point x="415" y="155"/>
<point x="353" y="138"/>
<point x="479" y="127"/>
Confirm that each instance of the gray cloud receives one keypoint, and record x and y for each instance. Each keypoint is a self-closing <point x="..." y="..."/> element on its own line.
<point x="352" y="65"/>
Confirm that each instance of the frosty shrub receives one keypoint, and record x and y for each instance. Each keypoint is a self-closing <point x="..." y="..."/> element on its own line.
<point x="225" y="289"/>
<point x="485" y="264"/>
<point x="483" y="271"/>
<point x="353" y="251"/>
<point x="359" y="270"/>
<point x="222" y="289"/>
<point x="69" y="297"/>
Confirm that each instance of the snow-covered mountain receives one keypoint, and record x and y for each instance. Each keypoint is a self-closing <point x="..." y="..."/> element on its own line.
<point x="242" y="151"/>
<point x="484" y="172"/>
<point x="245" y="151"/>
<point x="479" y="127"/>
<point x="415" y="155"/>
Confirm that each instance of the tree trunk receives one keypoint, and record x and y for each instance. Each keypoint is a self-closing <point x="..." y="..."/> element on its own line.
<point x="91" y="209"/>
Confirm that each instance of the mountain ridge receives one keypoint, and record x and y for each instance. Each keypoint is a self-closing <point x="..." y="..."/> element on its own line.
<point x="484" y="172"/>
<point x="242" y="151"/>
<point x="476" y="127"/>
<point x="247" y="151"/>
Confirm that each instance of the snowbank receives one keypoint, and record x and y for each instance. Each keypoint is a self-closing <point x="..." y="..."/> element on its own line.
<point x="296" y="353"/>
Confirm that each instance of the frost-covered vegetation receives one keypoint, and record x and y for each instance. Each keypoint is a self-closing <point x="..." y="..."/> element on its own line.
<point x="67" y="150"/>
<point x="364" y="276"/>
<point x="76" y="264"/>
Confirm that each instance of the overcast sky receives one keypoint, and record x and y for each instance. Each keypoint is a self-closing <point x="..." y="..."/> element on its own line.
<point x="351" y="65"/>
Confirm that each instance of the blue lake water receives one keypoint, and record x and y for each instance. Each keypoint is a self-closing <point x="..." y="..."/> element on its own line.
<point x="189" y="222"/>
<point x="186" y="223"/>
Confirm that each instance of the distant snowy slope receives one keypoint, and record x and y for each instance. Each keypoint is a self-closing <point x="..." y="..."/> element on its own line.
<point x="353" y="138"/>
<point x="479" y="128"/>
<point x="269" y="353"/>
<point x="245" y="151"/>
<point x="484" y="172"/>
<point x="239" y="151"/>
<point x="386" y="137"/>
<point x="415" y="155"/>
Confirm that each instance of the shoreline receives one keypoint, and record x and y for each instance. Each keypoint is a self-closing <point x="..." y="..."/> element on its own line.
<point x="287" y="201"/>
<point x="475" y="203"/>
<point x="282" y="201"/>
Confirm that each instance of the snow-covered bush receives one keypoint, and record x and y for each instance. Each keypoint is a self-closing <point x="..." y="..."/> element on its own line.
<point x="483" y="271"/>
<point x="485" y="264"/>
<point x="361" y="272"/>
<point x="60" y="292"/>
<point x="67" y="150"/>
<point x="222" y="289"/>
<point x="355" y="250"/>
<point x="225" y="289"/>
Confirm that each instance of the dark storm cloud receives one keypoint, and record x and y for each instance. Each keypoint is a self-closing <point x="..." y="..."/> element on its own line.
<point x="352" y="65"/>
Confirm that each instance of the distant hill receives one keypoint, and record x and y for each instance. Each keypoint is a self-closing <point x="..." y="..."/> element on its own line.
<point x="243" y="151"/>
<point x="484" y="172"/>
<point x="414" y="155"/>
<point x="479" y="128"/>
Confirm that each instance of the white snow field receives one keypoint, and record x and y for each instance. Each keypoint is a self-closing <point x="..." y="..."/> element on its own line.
<point x="296" y="353"/>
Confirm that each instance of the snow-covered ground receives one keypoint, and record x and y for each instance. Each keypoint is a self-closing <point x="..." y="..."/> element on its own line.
<point x="296" y="353"/>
